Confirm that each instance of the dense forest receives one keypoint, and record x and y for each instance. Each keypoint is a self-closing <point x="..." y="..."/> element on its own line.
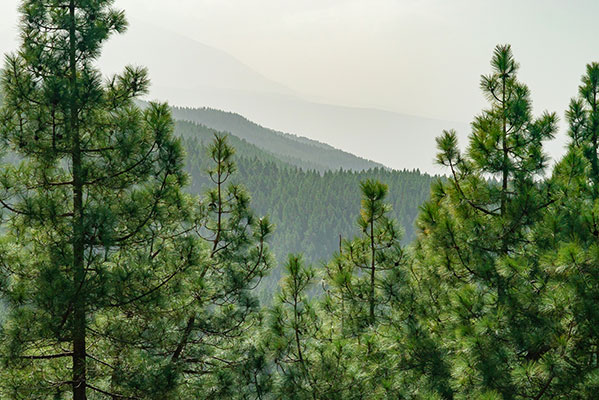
<point x="310" y="210"/>
<point x="132" y="257"/>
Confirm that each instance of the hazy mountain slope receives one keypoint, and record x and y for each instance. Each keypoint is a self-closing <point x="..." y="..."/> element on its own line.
<point x="394" y="140"/>
<point x="188" y="73"/>
<point x="204" y="136"/>
<point x="178" y="62"/>
<point x="298" y="151"/>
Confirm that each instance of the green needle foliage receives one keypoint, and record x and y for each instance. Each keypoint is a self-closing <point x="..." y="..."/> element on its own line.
<point x="327" y="348"/>
<point x="116" y="284"/>
<point x="293" y="331"/>
<point x="476" y="253"/>
<point x="309" y="360"/>
<point x="583" y="119"/>
<point x="92" y="216"/>
<point x="214" y="346"/>
<point x="362" y="285"/>
<point x="569" y="237"/>
<point x="356" y="275"/>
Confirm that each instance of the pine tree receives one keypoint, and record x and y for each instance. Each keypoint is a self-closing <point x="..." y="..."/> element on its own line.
<point x="214" y="346"/>
<point x="357" y="273"/>
<point x="309" y="361"/>
<point x="476" y="255"/>
<point x="569" y="233"/>
<point x="361" y="282"/>
<point x="583" y="119"/>
<point x="292" y="333"/>
<point x="92" y="240"/>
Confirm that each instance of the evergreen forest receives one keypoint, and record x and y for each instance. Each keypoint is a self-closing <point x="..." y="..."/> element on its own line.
<point x="157" y="252"/>
<point x="312" y="211"/>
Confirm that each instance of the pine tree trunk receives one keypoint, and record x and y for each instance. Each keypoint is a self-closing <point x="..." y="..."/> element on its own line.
<point x="504" y="186"/>
<point x="79" y="303"/>
<point x="372" y="271"/>
<point x="184" y="339"/>
<point x="595" y="134"/>
<point x="505" y="153"/>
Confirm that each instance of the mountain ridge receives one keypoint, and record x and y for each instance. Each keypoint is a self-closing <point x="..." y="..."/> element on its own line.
<point x="289" y="147"/>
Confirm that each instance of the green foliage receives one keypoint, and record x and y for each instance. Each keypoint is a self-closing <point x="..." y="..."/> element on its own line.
<point x="92" y="219"/>
<point x="357" y="274"/>
<point x="311" y="360"/>
<point x="569" y="235"/>
<point x="360" y="339"/>
<point x="220" y="311"/>
<point x="115" y="283"/>
<point x="477" y="253"/>
<point x="293" y="327"/>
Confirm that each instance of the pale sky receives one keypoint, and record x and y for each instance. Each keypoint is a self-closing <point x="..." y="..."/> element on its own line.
<point x="418" y="57"/>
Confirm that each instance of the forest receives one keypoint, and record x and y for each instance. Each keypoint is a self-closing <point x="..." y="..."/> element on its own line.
<point x="144" y="256"/>
<point x="310" y="210"/>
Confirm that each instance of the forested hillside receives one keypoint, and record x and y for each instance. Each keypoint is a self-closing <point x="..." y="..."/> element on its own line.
<point x="310" y="209"/>
<point x="295" y="150"/>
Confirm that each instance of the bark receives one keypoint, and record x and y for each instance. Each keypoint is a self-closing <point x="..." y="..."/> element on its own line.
<point x="79" y="303"/>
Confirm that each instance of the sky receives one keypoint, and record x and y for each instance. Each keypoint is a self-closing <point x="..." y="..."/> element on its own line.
<point x="416" y="57"/>
<point x="421" y="57"/>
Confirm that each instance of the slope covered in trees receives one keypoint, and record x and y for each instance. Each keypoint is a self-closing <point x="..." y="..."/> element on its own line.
<point x="311" y="210"/>
<point x="298" y="151"/>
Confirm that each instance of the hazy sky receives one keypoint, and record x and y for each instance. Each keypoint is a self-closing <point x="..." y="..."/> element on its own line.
<point x="421" y="57"/>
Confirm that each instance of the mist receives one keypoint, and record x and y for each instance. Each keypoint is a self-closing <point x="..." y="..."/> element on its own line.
<point x="382" y="65"/>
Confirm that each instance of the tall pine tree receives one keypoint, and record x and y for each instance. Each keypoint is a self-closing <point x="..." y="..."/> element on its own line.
<point x="93" y="208"/>
<point x="569" y="233"/>
<point x="476" y="258"/>
<point x="357" y="273"/>
<point x="362" y="283"/>
<point x="219" y="310"/>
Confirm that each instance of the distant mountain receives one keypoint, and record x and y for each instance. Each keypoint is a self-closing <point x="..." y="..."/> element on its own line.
<point x="204" y="135"/>
<point x="176" y="62"/>
<point x="294" y="150"/>
<point x="188" y="73"/>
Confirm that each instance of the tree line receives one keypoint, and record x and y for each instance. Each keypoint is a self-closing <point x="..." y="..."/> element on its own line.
<point x="119" y="283"/>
